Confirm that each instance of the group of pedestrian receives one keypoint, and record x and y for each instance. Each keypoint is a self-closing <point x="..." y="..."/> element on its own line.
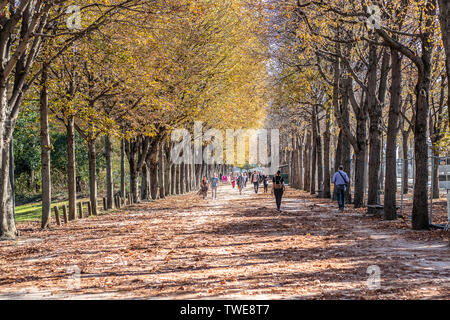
<point x="340" y="179"/>
<point x="240" y="180"/>
<point x="257" y="179"/>
<point x="205" y="184"/>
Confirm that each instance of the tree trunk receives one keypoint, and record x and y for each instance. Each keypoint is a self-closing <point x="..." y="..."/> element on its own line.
<point x="93" y="175"/>
<point x="300" y="148"/>
<point x="71" y="168"/>
<point x="153" y="158"/>
<point x="182" y="178"/>
<point x="307" y="163"/>
<point x="167" y="172"/>
<point x="122" y="168"/>
<point x="326" y="156"/>
<point x="145" y="183"/>
<point x="444" y="18"/>
<point x="187" y="178"/>
<point x="8" y="230"/>
<point x="313" y="152"/>
<point x="177" y="179"/>
<point x="360" y="158"/>
<point x="292" y="165"/>
<point x="375" y="114"/>
<point x="131" y="147"/>
<point x="173" y="181"/>
<point x="420" y="200"/>
<point x="390" y="186"/>
<point x="45" y="152"/>
<point x="435" y="174"/>
<point x="405" y="149"/>
<point x="161" y="170"/>
<point x="319" y="156"/>
<point x="109" y="176"/>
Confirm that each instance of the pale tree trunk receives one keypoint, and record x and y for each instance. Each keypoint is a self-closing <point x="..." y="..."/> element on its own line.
<point x="109" y="176"/>
<point x="71" y="168"/>
<point x="435" y="174"/>
<point x="337" y="159"/>
<point x="405" y="145"/>
<point x="20" y="43"/>
<point x="319" y="156"/>
<point x="161" y="169"/>
<point x="326" y="156"/>
<point x="93" y="175"/>
<point x="313" y="155"/>
<point x="292" y="173"/>
<point x="122" y="168"/>
<point x="7" y="223"/>
<point x="45" y="152"/>
<point x="345" y="143"/>
<point x="167" y="171"/>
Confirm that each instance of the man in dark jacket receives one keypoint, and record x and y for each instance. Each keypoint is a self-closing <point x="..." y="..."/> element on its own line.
<point x="340" y="179"/>
<point x="278" y="189"/>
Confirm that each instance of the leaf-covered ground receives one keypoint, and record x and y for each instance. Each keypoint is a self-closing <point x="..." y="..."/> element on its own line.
<point x="236" y="247"/>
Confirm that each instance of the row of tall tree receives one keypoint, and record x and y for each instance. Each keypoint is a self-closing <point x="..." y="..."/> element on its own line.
<point x="357" y="78"/>
<point x="127" y="71"/>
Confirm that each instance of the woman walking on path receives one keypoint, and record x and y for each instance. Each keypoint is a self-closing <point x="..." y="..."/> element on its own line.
<point x="204" y="188"/>
<point x="278" y="189"/>
<point x="240" y="183"/>
<point x="233" y="180"/>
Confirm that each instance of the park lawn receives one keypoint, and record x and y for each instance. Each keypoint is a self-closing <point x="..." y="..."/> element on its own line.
<point x="32" y="211"/>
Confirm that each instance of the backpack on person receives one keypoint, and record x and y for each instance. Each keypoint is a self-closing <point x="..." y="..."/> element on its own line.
<point x="277" y="184"/>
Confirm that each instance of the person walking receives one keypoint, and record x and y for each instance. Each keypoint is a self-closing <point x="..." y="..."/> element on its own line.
<point x="240" y="183"/>
<point x="340" y="180"/>
<point x="204" y="188"/>
<point x="266" y="183"/>
<point x="278" y="189"/>
<point x="214" y="184"/>
<point x="233" y="180"/>
<point x="255" y="180"/>
<point x="245" y="179"/>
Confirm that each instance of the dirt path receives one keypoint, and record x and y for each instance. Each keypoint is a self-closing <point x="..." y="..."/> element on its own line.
<point x="237" y="247"/>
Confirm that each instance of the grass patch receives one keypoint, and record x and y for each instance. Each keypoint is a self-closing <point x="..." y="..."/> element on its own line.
<point x="33" y="211"/>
